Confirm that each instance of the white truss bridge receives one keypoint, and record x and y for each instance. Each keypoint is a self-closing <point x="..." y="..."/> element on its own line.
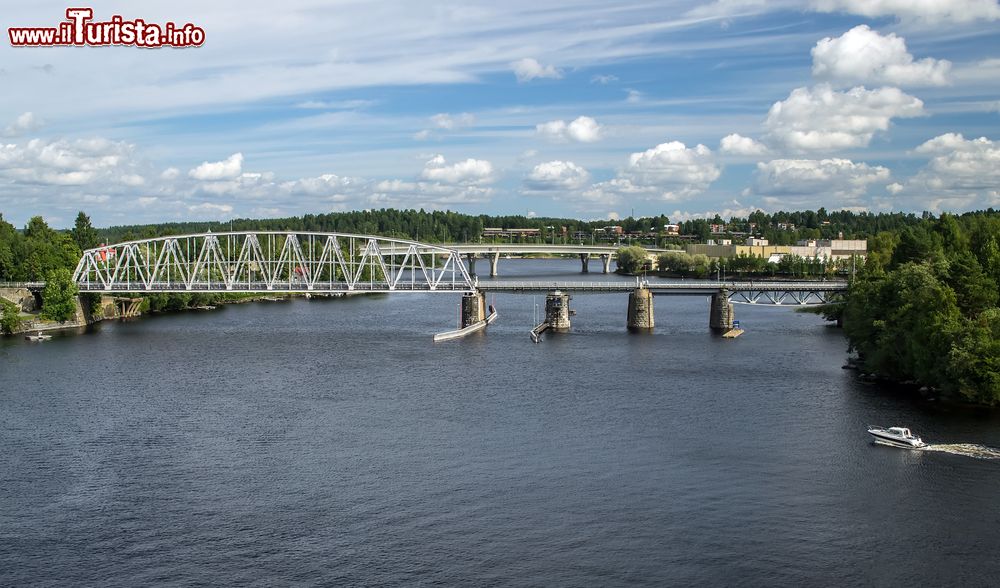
<point x="272" y="261"/>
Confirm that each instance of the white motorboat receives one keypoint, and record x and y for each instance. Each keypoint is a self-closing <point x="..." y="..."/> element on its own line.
<point x="38" y="337"/>
<point x="897" y="436"/>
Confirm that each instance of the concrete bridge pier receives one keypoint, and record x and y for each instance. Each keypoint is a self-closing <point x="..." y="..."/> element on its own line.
<point x="606" y="259"/>
<point x="585" y="261"/>
<point x="557" y="310"/>
<point x="640" y="310"/>
<point x="720" y="318"/>
<point x="473" y="308"/>
<point x="471" y="258"/>
<point x="494" y="261"/>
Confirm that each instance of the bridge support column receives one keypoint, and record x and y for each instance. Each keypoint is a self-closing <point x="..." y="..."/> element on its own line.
<point x="585" y="261"/>
<point x="494" y="261"/>
<point x="473" y="308"/>
<point x="606" y="259"/>
<point x="721" y="315"/>
<point x="557" y="310"/>
<point x="471" y="258"/>
<point x="640" y="310"/>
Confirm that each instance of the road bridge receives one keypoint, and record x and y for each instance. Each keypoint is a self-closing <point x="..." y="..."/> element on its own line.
<point x="493" y="252"/>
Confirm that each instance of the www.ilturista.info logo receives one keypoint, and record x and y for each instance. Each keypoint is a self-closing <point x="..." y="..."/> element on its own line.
<point x="79" y="30"/>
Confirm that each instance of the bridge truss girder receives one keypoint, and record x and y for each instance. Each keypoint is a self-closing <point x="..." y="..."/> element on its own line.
<point x="779" y="297"/>
<point x="272" y="261"/>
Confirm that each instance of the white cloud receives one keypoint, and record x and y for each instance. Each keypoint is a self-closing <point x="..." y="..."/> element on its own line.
<point x="928" y="11"/>
<point x="245" y="185"/>
<point x="959" y="168"/>
<point x="818" y="180"/>
<point x="556" y="176"/>
<point x="528" y="69"/>
<point x="22" y="124"/>
<point x="894" y="188"/>
<point x="603" y="79"/>
<point x="446" y="122"/>
<point x="582" y="129"/>
<point x="170" y="173"/>
<point x="952" y="142"/>
<point x="862" y="56"/>
<point x="208" y="209"/>
<point x="737" y="211"/>
<point x="670" y="171"/>
<point x="226" y="169"/>
<point x="727" y="8"/>
<point x="70" y="163"/>
<point x="334" y="104"/>
<point x="736" y="144"/>
<point x="672" y="163"/>
<point x="401" y="193"/>
<point x="331" y="186"/>
<point x="634" y="96"/>
<point x="821" y="118"/>
<point x="451" y="122"/>
<point x="469" y="172"/>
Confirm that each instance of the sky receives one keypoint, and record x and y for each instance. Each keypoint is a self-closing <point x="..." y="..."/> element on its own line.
<point x="590" y="110"/>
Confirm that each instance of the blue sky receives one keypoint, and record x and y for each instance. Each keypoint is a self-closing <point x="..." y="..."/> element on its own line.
<point x="581" y="109"/>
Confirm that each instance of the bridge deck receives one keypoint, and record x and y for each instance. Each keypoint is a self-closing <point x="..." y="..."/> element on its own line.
<point x="672" y="288"/>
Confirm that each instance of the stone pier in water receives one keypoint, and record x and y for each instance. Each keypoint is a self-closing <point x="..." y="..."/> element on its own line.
<point x="640" y="310"/>
<point x="721" y="315"/>
<point x="473" y="308"/>
<point x="557" y="310"/>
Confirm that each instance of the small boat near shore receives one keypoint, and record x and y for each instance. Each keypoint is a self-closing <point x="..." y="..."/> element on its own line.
<point x="896" y="436"/>
<point x="38" y="337"/>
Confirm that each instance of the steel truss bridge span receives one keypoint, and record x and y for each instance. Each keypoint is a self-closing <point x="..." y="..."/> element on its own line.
<point x="746" y="292"/>
<point x="272" y="261"/>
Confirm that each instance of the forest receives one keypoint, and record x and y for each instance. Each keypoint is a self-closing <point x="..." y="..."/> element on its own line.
<point x="923" y="309"/>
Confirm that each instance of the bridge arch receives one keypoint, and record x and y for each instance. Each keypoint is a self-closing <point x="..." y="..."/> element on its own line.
<point x="272" y="261"/>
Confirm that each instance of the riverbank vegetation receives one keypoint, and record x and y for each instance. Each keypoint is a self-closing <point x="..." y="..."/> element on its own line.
<point x="924" y="306"/>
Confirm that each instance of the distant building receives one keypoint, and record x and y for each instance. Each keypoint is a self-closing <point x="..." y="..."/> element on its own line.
<point x="756" y="242"/>
<point x="498" y="232"/>
<point x="845" y="248"/>
<point x="717" y="229"/>
<point x="672" y="229"/>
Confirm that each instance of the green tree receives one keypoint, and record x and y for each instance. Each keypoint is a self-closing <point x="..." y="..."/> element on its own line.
<point x="59" y="296"/>
<point x="10" y="319"/>
<point x="903" y="325"/>
<point x="9" y="245"/>
<point x="43" y="250"/>
<point x="83" y="232"/>
<point x="975" y="291"/>
<point x="974" y="362"/>
<point x="631" y="260"/>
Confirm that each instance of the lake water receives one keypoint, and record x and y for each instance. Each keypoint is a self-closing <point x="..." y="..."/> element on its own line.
<point x="330" y="442"/>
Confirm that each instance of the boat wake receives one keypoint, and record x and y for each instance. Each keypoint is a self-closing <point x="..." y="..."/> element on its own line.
<point x="966" y="449"/>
